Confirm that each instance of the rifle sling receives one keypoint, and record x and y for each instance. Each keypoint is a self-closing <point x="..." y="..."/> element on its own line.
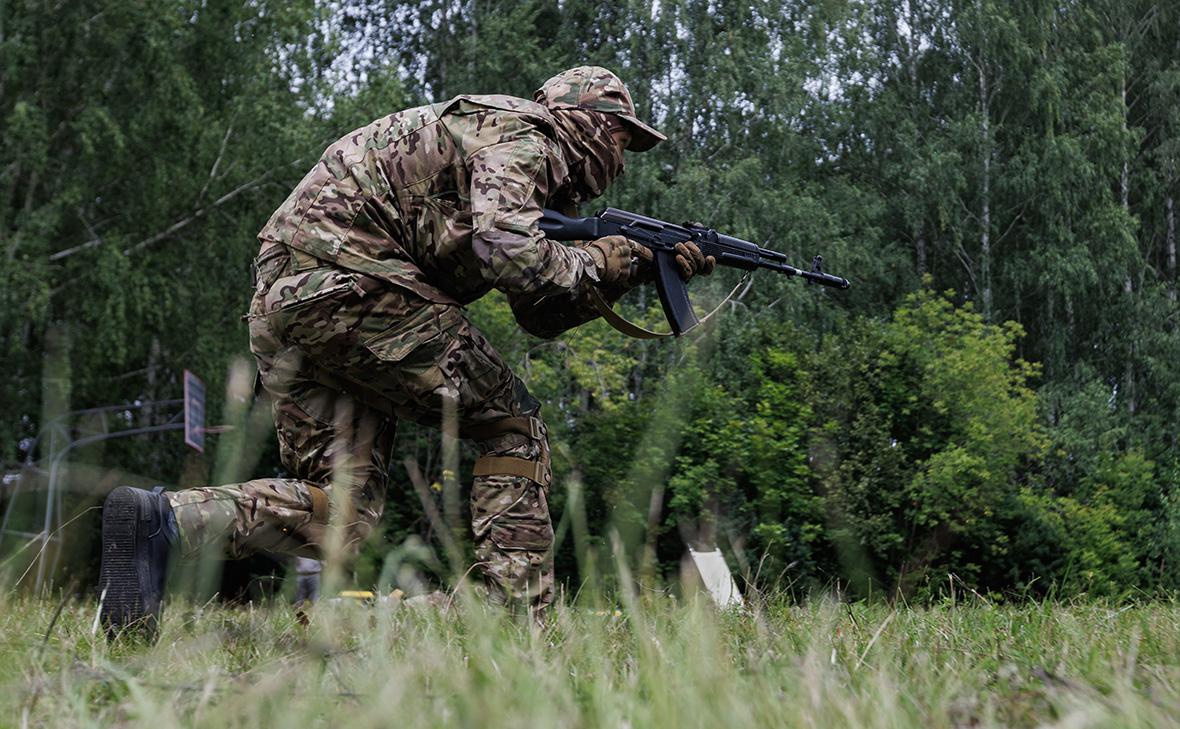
<point x="632" y="329"/>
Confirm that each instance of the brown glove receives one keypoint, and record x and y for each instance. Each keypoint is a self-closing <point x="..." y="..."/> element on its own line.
<point x="692" y="262"/>
<point x="622" y="261"/>
<point x="618" y="260"/>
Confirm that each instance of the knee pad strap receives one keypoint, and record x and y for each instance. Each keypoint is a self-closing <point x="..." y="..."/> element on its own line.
<point x="530" y="426"/>
<point x="524" y="425"/>
<point x="510" y="466"/>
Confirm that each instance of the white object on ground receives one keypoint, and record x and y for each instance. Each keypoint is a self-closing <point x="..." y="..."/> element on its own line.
<point x="718" y="579"/>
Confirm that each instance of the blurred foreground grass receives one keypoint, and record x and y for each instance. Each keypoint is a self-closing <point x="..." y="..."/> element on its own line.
<point x="823" y="664"/>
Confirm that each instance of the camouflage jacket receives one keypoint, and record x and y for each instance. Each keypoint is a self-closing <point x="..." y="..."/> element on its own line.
<point x="440" y="199"/>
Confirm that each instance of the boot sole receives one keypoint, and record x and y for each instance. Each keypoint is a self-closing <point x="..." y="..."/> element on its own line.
<point x="123" y="607"/>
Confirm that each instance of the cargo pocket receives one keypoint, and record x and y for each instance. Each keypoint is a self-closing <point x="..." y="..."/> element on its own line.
<point x="423" y="332"/>
<point x="524" y="525"/>
<point x="531" y="535"/>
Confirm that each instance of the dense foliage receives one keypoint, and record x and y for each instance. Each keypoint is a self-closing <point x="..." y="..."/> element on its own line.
<point x="995" y="398"/>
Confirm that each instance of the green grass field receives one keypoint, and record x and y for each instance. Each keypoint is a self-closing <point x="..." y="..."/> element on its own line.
<point x="823" y="664"/>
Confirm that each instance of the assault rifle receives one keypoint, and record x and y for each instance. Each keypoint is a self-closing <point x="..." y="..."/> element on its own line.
<point x="662" y="237"/>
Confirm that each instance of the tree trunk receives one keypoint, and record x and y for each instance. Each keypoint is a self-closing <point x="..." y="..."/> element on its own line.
<point x="150" y="414"/>
<point x="920" y="250"/>
<point x="1170" y="238"/>
<point x="911" y="44"/>
<point x="1128" y="282"/>
<point x="152" y="381"/>
<point x="1129" y="371"/>
<point x="985" y="212"/>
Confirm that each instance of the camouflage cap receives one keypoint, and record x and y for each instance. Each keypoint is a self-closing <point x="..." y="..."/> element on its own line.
<point x="596" y="89"/>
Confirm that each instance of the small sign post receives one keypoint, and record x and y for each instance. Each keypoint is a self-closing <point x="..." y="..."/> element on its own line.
<point x="194" y="412"/>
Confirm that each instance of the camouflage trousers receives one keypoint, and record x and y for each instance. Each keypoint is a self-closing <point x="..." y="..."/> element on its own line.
<point x="343" y="357"/>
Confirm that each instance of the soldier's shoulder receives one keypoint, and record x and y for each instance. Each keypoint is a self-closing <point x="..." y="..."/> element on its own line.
<point x="475" y="103"/>
<point x="476" y="122"/>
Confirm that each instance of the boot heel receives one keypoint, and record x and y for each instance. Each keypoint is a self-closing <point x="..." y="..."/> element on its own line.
<point x="134" y="561"/>
<point x="118" y="582"/>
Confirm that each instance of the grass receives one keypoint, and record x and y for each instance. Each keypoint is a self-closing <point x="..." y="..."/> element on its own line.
<point x="662" y="663"/>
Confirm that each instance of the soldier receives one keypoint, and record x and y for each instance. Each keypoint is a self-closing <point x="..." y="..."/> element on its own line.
<point x="357" y="321"/>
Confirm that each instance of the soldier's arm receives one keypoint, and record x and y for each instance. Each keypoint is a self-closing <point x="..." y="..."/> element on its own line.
<point x="509" y="186"/>
<point x="548" y="315"/>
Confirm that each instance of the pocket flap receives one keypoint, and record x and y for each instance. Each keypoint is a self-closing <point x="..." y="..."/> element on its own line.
<point x="425" y="326"/>
<point x="307" y="287"/>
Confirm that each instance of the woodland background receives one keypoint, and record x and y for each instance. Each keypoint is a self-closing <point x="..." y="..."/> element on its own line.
<point x="993" y="402"/>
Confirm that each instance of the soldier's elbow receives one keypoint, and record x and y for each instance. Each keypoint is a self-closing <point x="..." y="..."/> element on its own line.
<point x="539" y="327"/>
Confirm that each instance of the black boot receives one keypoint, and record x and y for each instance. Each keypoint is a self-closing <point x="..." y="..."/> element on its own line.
<point x="138" y="528"/>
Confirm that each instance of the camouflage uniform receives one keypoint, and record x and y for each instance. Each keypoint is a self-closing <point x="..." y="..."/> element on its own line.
<point x="357" y="321"/>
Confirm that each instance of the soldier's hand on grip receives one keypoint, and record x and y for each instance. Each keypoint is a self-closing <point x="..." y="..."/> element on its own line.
<point x="618" y="260"/>
<point x="692" y="262"/>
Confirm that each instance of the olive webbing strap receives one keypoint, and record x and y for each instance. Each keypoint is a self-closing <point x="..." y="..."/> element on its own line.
<point x="510" y="466"/>
<point x="490" y="465"/>
<point x="632" y="329"/>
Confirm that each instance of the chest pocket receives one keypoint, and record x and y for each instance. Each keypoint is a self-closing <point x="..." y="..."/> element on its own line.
<point x="442" y="228"/>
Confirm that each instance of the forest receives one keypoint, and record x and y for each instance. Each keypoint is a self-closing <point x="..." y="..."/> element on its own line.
<point x="993" y="404"/>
